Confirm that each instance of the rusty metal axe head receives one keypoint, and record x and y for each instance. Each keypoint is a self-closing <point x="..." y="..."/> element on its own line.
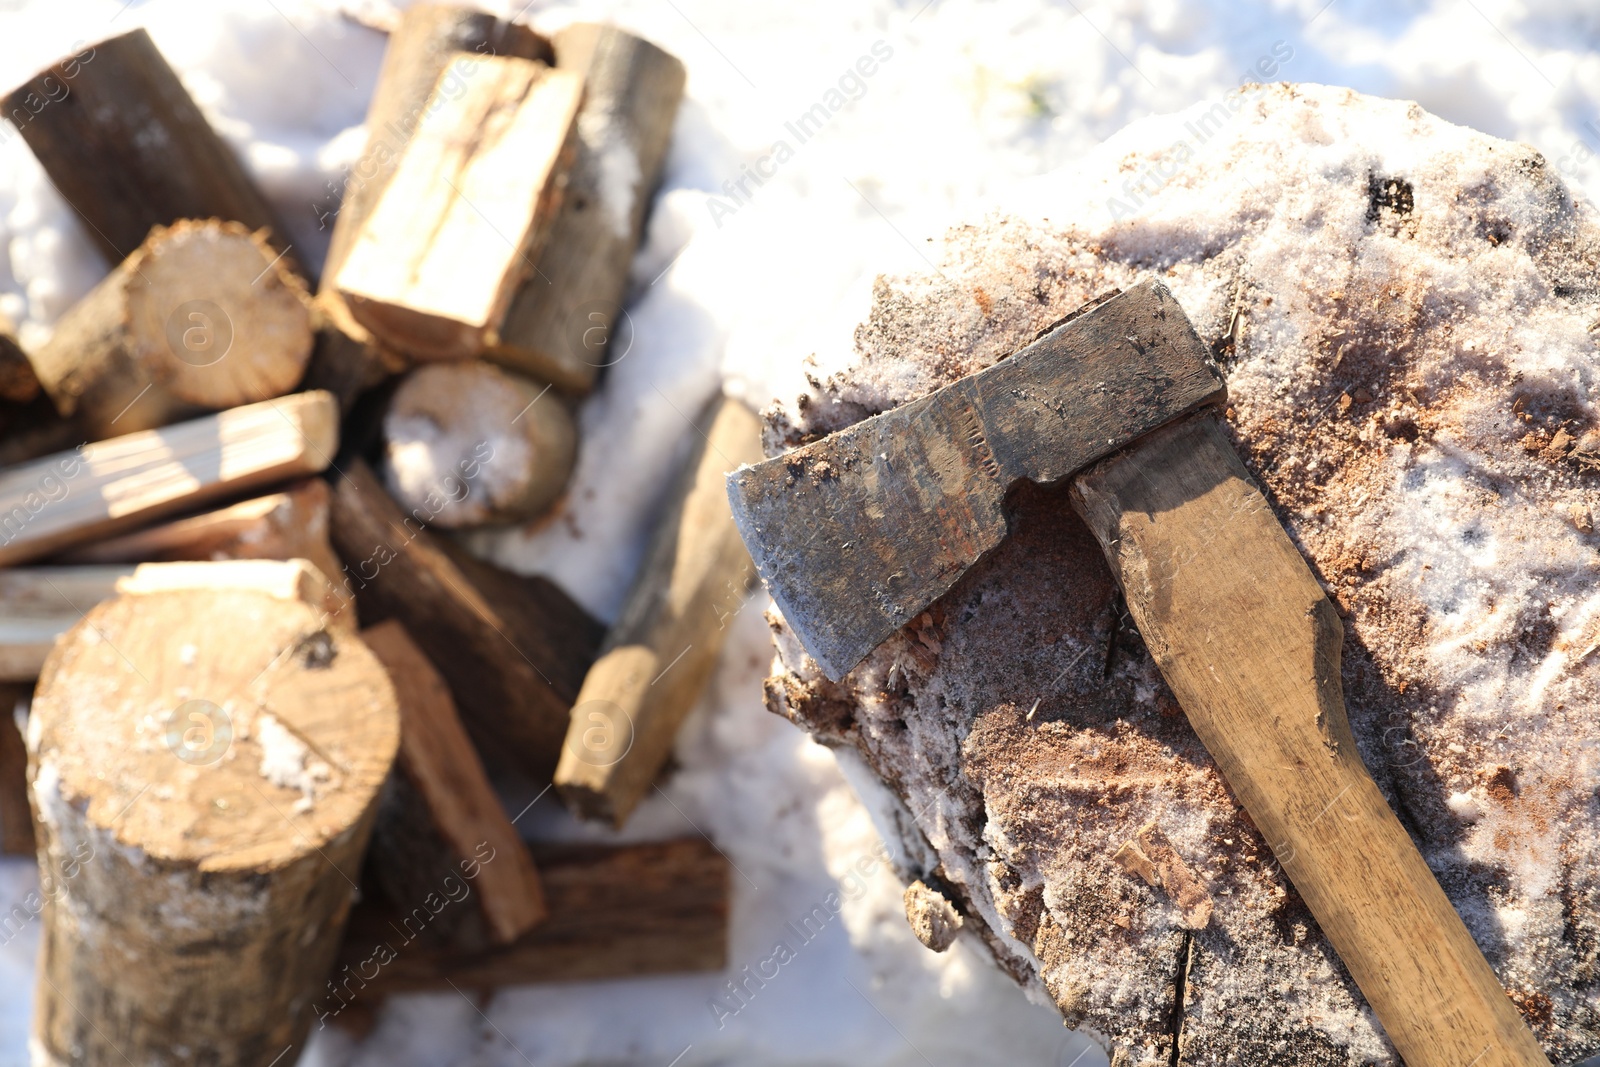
<point x="857" y="533"/>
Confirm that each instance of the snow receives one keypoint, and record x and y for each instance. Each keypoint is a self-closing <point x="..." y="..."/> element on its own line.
<point x="739" y="282"/>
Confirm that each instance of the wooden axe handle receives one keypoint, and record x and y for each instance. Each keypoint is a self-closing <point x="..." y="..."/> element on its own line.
<point x="1250" y="645"/>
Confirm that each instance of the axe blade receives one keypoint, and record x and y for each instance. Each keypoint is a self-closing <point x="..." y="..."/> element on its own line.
<point x="857" y="533"/>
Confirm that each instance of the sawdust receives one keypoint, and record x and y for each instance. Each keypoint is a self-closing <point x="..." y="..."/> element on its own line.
<point x="1403" y="309"/>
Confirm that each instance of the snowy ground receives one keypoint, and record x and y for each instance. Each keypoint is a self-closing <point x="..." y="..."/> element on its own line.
<point x="740" y="280"/>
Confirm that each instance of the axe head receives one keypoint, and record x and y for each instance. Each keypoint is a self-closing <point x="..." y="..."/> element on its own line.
<point x="857" y="533"/>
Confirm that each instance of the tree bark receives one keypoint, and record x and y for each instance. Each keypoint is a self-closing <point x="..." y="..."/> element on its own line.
<point x="203" y="316"/>
<point x="486" y="442"/>
<point x="562" y="322"/>
<point x="16" y="821"/>
<point x="664" y="645"/>
<point x="129" y="150"/>
<point x="512" y="648"/>
<point x="199" y="854"/>
<point x="440" y="819"/>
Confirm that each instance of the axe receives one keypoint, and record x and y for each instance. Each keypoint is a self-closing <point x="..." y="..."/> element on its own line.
<point x="859" y="532"/>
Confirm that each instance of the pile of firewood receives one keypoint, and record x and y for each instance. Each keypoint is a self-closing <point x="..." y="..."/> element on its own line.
<point x="253" y="813"/>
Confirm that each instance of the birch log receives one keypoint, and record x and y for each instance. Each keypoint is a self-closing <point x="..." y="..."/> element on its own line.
<point x="659" y="654"/>
<point x="440" y="819"/>
<point x="129" y="150"/>
<point x="563" y="325"/>
<point x="204" y="767"/>
<point x="112" y="486"/>
<point x="434" y="266"/>
<point x="489" y="445"/>
<point x="203" y="316"/>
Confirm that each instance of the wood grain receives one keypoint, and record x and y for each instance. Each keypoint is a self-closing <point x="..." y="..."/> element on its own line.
<point x="434" y="266"/>
<point x="202" y="850"/>
<point x="513" y="648"/>
<point x="441" y="818"/>
<point x="129" y="150"/>
<point x="565" y="316"/>
<point x="115" y="485"/>
<point x="347" y="359"/>
<point x="661" y="651"/>
<point x="202" y="316"/>
<point x="615" y="912"/>
<point x="1250" y="645"/>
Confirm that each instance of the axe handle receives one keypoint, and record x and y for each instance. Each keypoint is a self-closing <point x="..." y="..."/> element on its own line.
<point x="1250" y="645"/>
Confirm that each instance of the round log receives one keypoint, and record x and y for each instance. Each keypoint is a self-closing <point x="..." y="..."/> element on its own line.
<point x="204" y="768"/>
<point x="471" y="445"/>
<point x="203" y="316"/>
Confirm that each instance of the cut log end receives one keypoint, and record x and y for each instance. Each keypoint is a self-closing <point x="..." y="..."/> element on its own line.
<point x="219" y="319"/>
<point x="203" y="316"/>
<point x="226" y="727"/>
<point x="471" y="445"/>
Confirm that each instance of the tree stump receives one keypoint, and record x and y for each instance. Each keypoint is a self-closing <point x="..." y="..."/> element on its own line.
<point x="1436" y="468"/>
<point x="203" y="316"/>
<point x="475" y="445"/>
<point x="204" y="768"/>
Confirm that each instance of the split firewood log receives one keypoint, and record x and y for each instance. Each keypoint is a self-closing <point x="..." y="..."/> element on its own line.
<point x="565" y="322"/>
<point x="513" y="648"/>
<point x="615" y="912"/>
<point x="203" y="316"/>
<point x="477" y="445"/>
<point x="441" y="819"/>
<point x="348" y="359"/>
<point x="129" y="150"/>
<point x="661" y="651"/>
<point x="204" y="767"/>
<point x="291" y="524"/>
<point x="115" y="485"/>
<point x="434" y="266"/>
